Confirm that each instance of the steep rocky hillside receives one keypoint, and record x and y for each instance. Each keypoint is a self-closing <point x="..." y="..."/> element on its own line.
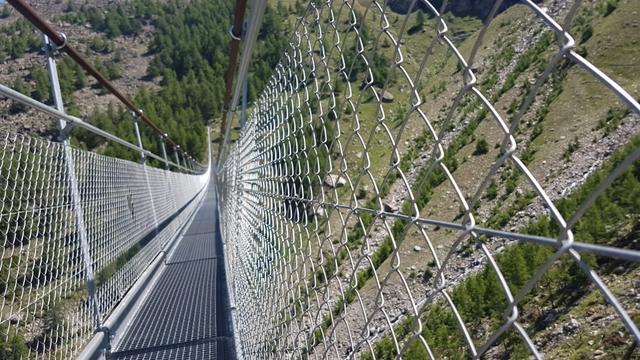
<point x="565" y="134"/>
<point x="124" y="58"/>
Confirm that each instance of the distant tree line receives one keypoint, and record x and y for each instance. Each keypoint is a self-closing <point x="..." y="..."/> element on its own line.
<point x="190" y="55"/>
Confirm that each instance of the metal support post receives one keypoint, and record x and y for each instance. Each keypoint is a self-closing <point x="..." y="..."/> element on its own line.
<point x="167" y="178"/>
<point x="164" y="152"/>
<point x="136" y="129"/>
<point x="63" y="128"/>
<point x="177" y="152"/>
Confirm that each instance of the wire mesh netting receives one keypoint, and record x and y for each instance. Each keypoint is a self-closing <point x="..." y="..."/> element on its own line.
<point x="69" y="216"/>
<point x="426" y="185"/>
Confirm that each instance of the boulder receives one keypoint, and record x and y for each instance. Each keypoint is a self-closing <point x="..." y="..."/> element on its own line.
<point x="334" y="181"/>
<point x="15" y="318"/>
<point x="570" y="327"/>
<point x="388" y="207"/>
<point x="387" y="97"/>
<point x="313" y="212"/>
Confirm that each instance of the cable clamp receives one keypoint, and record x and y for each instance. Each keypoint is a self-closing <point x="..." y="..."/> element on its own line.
<point x="233" y="36"/>
<point x="64" y="41"/>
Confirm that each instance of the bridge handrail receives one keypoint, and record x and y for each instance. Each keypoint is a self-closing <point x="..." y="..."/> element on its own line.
<point x="26" y="100"/>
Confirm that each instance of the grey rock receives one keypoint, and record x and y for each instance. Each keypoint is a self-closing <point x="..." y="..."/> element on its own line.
<point x="387" y="97"/>
<point x="388" y="207"/>
<point x="334" y="181"/>
<point x="570" y="327"/>
<point x="15" y="318"/>
<point x="619" y="270"/>
<point x="320" y="212"/>
<point x="598" y="353"/>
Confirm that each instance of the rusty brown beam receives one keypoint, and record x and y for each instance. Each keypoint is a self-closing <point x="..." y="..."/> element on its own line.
<point x="234" y="49"/>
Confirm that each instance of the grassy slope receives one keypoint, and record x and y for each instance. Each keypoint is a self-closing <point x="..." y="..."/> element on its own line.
<point x="441" y="70"/>
<point x="582" y="96"/>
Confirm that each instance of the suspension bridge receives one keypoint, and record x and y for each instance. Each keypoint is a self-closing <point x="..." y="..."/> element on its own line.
<point x="345" y="217"/>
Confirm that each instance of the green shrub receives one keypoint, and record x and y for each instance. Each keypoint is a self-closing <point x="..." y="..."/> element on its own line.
<point x="482" y="147"/>
<point x="612" y="120"/>
<point x="42" y="92"/>
<point x="492" y="190"/>
<point x="12" y="345"/>
<point x="573" y="146"/>
<point x="20" y="86"/>
<point x="587" y="33"/>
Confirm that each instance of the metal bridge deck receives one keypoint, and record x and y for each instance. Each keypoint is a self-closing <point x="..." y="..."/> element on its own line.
<point x="183" y="314"/>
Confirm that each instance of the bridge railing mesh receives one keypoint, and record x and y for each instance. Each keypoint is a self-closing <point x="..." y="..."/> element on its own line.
<point x="70" y="217"/>
<point x="366" y="211"/>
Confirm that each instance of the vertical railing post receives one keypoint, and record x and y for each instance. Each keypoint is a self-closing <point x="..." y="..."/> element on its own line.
<point x="164" y="151"/>
<point x="143" y="161"/>
<point x="245" y="95"/>
<point x="177" y="153"/>
<point x="63" y="129"/>
<point x="168" y="184"/>
<point x="136" y="130"/>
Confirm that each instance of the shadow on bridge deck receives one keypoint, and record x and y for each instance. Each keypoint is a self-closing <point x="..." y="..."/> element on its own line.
<point x="185" y="313"/>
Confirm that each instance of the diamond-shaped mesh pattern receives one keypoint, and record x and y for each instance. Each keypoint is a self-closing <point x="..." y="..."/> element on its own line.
<point x="387" y="165"/>
<point x="125" y="214"/>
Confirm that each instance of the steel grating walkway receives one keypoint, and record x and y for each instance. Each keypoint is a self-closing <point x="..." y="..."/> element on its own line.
<point x="181" y="316"/>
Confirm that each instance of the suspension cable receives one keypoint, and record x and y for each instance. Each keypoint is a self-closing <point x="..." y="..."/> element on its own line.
<point x="234" y="47"/>
<point x="60" y="40"/>
<point x="254" y="25"/>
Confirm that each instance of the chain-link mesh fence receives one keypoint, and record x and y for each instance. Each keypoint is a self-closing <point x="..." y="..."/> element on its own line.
<point x="71" y="217"/>
<point x="420" y="185"/>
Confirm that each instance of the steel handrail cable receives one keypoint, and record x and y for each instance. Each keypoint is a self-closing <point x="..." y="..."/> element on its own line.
<point x="43" y="108"/>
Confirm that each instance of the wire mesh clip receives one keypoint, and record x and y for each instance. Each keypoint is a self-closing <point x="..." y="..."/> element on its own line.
<point x="50" y="47"/>
<point x="64" y="41"/>
<point x="242" y="32"/>
<point x="234" y="36"/>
